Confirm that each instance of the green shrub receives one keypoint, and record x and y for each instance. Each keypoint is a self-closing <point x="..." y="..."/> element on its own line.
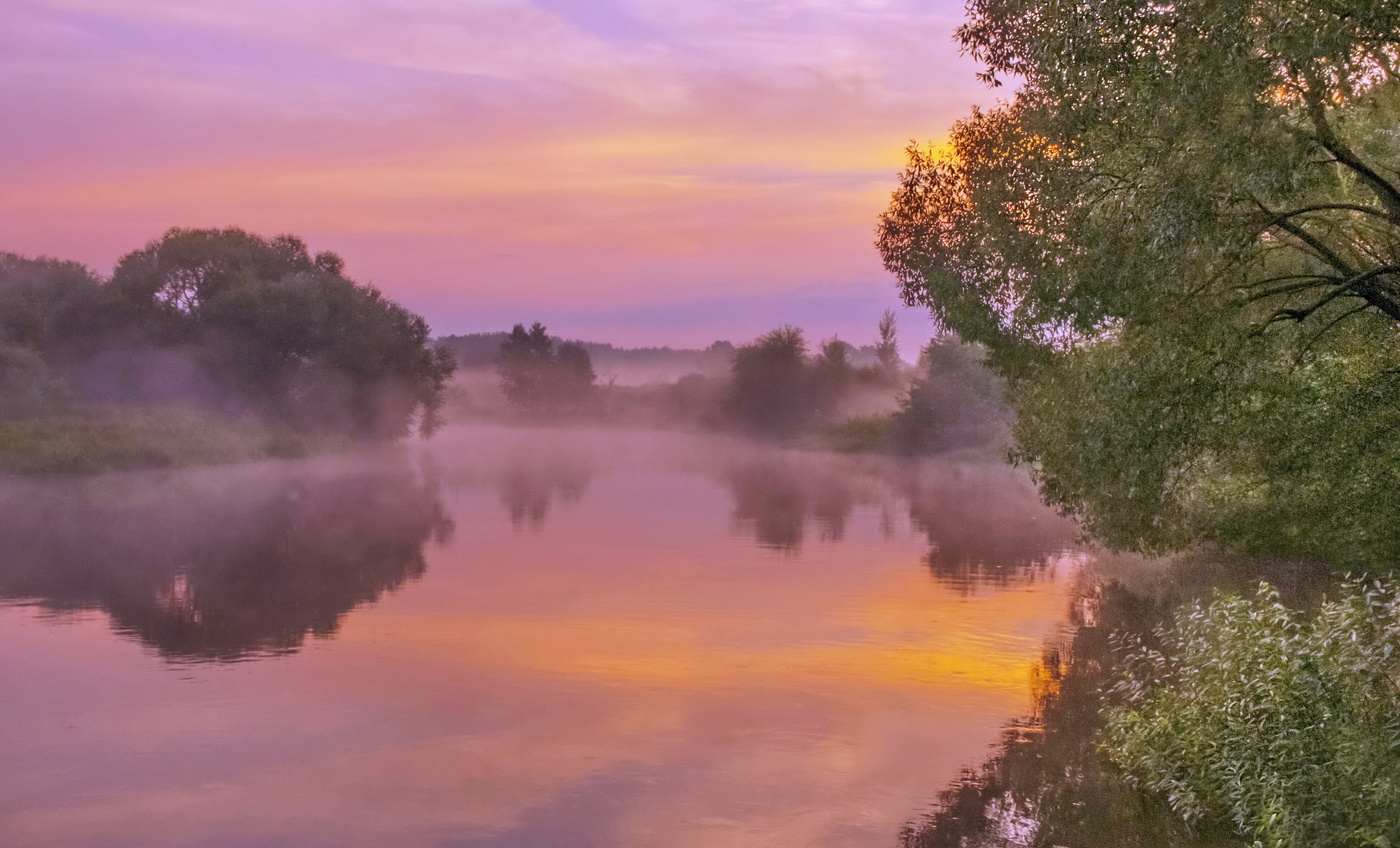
<point x="1282" y="726"/>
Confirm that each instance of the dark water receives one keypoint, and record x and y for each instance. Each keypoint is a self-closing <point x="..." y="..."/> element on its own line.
<point x="518" y="638"/>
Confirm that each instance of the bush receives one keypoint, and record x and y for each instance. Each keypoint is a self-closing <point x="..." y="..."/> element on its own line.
<point x="1280" y="726"/>
<point x="954" y="402"/>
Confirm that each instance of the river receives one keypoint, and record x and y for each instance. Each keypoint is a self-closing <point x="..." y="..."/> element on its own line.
<point x="516" y="638"/>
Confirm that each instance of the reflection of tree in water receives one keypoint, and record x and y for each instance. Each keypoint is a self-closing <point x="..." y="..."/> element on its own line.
<point x="527" y="474"/>
<point x="1046" y="784"/>
<point x="984" y="522"/>
<point x="986" y="525"/>
<point x="528" y="484"/>
<point x="221" y="564"/>
<point x="773" y="497"/>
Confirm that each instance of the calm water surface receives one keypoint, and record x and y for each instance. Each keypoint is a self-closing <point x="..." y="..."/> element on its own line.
<point x="516" y="639"/>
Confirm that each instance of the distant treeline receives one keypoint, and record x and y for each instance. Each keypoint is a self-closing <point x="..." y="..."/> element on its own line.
<point x="223" y="321"/>
<point x="855" y="399"/>
<point x="480" y="350"/>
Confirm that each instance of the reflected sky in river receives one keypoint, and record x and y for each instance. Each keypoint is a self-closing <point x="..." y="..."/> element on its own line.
<point x="514" y="638"/>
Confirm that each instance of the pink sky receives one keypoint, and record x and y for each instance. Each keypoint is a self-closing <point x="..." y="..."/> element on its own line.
<point x="634" y="171"/>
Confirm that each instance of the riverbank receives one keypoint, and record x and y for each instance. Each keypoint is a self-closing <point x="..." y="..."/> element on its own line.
<point x="1186" y="706"/>
<point x="94" y="441"/>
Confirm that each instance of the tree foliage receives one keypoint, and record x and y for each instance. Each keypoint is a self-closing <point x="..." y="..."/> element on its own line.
<point x="1180" y="240"/>
<point x="540" y="379"/>
<point x="887" y="346"/>
<point x="254" y="325"/>
<point x="772" y="388"/>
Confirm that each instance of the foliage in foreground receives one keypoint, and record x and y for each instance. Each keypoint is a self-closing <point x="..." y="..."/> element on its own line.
<point x="1045" y="784"/>
<point x="1281" y="726"/>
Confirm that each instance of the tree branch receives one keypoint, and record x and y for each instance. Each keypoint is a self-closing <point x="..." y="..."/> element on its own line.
<point x="1326" y="207"/>
<point x="1363" y="287"/>
<point x="1313" y="280"/>
<point x="1326" y="328"/>
<point x="1323" y="251"/>
<point x="1387" y="193"/>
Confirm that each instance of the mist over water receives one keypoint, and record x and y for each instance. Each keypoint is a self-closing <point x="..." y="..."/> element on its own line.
<point x="515" y="637"/>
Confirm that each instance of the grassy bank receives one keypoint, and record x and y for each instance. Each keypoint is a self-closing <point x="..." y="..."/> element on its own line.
<point x="116" y="439"/>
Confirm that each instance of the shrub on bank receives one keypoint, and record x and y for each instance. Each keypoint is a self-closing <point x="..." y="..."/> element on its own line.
<point x="1282" y="726"/>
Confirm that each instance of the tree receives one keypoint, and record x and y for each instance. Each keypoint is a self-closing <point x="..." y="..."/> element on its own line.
<point x="60" y="309"/>
<point x="887" y="348"/>
<point x="955" y="401"/>
<point x="540" y="379"/>
<point x="1180" y="241"/>
<point x="269" y="328"/>
<point x="523" y="363"/>
<point x="318" y="349"/>
<point x="181" y="271"/>
<point x="771" y="390"/>
<point x="574" y="376"/>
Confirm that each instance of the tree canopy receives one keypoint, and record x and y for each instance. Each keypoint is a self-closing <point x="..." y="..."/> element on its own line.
<point x="249" y="324"/>
<point x="539" y="378"/>
<point x="1180" y="240"/>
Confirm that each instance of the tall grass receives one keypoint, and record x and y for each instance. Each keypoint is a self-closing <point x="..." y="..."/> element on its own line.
<point x="115" y="439"/>
<point x="1281" y="726"/>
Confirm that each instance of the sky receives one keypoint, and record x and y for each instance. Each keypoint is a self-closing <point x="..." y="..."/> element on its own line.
<point x="641" y="172"/>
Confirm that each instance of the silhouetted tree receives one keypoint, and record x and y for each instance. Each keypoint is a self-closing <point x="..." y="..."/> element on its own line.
<point x="286" y="331"/>
<point x="257" y="325"/>
<point x="772" y="385"/>
<point x="887" y="348"/>
<point x="539" y="379"/>
<point x="574" y="377"/>
<point x="60" y="309"/>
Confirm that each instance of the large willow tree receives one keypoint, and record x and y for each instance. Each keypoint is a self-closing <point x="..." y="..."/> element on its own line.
<point x="1180" y="239"/>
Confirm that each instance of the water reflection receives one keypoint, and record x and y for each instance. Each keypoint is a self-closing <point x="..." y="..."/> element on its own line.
<point x="775" y="496"/>
<point x="603" y="654"/>
<point x="529" y="483"/>
<point x="528" y="474"/>
<point x="1046" y="783"/>
<point x="984" y="522"/>
<point x="220" y="565"/>
<point x="985" y="525"/>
